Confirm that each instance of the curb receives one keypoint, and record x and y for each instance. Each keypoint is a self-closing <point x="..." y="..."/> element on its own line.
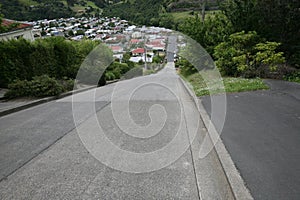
<point x="235" y="181"/>
<point x="41" y="101"/>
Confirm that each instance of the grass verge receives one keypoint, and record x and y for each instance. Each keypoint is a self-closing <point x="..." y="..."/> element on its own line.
<point x="177" y="16"/>
<point x="231" y="84"/>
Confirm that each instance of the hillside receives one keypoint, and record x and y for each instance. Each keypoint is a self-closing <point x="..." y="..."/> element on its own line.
<point x="50" y="9"/>
<point x="138" y="11"/>
<point x="155" y="12"/>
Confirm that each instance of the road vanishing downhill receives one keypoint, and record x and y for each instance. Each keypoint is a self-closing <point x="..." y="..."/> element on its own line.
<point x="42" y="155"/>
<point x="60" y="167"/>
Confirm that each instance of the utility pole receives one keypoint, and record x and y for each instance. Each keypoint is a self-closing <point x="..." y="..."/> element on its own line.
<point x="145" y="52"/>
<point x="203" y="10"/>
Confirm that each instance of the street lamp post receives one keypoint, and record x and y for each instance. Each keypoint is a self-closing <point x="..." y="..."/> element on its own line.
<point x="145" y="52"/>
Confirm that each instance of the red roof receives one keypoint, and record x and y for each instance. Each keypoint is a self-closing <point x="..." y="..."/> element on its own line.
<point x="20" y="25"/>
<point x="134" y="41"/>
<point x="157" y="41"/>
<point x="138" y="50"/>
<point x="116" y="48"/>
<point x="119" y="37"/>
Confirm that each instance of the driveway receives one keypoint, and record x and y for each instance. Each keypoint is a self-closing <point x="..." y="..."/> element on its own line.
<point x="262" y="135"/>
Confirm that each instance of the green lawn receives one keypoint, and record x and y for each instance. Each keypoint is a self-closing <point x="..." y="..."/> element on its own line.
<point x="78" y="7"/>
<point x="181" y="15"/>
<point x="231" y="84"/>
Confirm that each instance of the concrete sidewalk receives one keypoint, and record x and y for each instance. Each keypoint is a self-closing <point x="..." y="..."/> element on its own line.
<point x="15" y="105"/>
<point x="66" y="170"/>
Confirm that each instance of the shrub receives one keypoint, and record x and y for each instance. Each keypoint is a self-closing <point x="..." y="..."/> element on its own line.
<point x="186" y="68"/>
<point x="110" y="76"/>
<point x="157" y="59"/>
<point x="21" y="59"/>
<point x="67" y="84"/>
<point x="40" y="86"/>
<point x="293" y="77"/>
<point x="246" y="54"/>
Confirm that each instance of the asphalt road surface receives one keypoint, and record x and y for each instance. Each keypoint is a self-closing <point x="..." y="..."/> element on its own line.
<point x="45" y="156"/>
<point x="262" y="135"/>
<point x="171" y="49"/>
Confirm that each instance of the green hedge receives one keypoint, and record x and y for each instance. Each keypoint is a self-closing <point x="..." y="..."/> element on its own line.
<point x="39" y="86"/>
<point x="55" y="56"/>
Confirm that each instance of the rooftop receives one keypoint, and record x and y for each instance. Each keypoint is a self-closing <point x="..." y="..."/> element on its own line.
<point x="14" y="25"/>
<point x="138" y="50"/>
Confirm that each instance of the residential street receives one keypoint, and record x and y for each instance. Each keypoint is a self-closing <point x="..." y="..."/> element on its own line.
<point x="66" y="170"/>
<point x="140" y="139"/>
<point x="262" y="135"/>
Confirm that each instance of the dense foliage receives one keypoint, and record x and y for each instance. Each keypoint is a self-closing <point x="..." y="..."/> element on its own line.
<point x="209" y="33"/>
<point x="153" y="12"/>
<point x="55" y="56"/>
<point x="39" y="86"/>
<point x="274" y="20"/>
<point x="250" y="38"/>
<point x="14" y="9"/>
<point x="138" y="11"/>
<point x="245" y="54"/>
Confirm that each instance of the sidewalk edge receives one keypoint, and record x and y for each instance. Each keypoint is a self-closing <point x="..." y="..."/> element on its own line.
<point x="41" y="101"/>
<point x="235" y="181"/>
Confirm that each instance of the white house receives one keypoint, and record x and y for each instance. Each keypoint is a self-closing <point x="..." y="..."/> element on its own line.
<point x="136" y="35"/>
<point x="20" y="30"/>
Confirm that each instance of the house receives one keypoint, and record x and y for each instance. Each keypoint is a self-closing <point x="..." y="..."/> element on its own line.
<point x="141" y="58"/>
<point x="118" y="56"/>
<point x="136" y="35"/>
<point x="116" y="49"/>
<point x="16" y="30"/>
<point x="138" y="52"/>
<point x="156" y="44"/>
<point x="135" y="41"/>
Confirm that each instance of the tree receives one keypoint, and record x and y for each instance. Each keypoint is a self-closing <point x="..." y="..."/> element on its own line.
<point x="214" y="30"/>
<point x="275" y="20"/>
<point x="71" y="33"/>
<point x="267" y="55"/>
<point x="80" y="32"/>
<point x="71" y="2"/>
<point x="246" y="54"/>
<point x="242" y="14"/>
<point x="166" y="20"/>
<point x="2" y="28"/>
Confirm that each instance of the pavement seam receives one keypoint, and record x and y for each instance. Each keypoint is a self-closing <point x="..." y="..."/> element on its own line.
<point x="234" y="179"/>
<point x="50" y="145"/>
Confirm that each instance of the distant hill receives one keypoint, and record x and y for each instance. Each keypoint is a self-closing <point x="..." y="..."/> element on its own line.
<point x="138" y="11"/>
<point x="50" y="9"/>
<point x="154" y="12"/>
<point x="184" y="5"/>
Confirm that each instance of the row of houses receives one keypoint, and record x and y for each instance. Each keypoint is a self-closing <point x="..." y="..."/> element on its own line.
<point x="143" y="42"/>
